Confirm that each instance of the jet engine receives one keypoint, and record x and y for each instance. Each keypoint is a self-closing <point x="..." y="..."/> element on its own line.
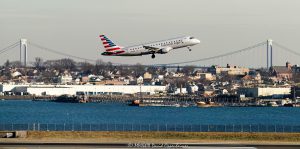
<point x="165" y="50"/>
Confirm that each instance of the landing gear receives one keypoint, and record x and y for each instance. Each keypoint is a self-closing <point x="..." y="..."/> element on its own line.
<point x="189" y="48"/>
<point x="152" y="56"/>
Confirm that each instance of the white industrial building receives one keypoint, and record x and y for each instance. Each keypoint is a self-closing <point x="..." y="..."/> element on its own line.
<point x="261" y="92"/>
<point x="57" y="90"/>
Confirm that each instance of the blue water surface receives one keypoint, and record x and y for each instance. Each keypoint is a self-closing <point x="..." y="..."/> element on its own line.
<point x="24" y="111"/>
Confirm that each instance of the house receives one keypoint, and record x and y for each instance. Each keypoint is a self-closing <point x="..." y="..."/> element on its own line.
<point x="207" y="92"/>
<point x="230" y="70"/>
<point x="65" y="79"/>
<point x="84" y="79"/>
<point x="296" y="69"/>
<point x="282" y="72"/>
<point x="253" y="77"/>
<point x="191" y="88"/>
<point x="147" y="75"/>
<point x="94" y="78"/>
<point x="113" y="82"/>
<point x="178" y="75"/>
<point x="207" y="76"/>
<point x="222" y="91"/>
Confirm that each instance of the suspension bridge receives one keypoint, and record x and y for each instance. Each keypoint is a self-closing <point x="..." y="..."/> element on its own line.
<point x="261" y="55"/>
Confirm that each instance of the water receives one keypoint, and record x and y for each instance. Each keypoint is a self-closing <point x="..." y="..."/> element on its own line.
<point x="22" y="112"/>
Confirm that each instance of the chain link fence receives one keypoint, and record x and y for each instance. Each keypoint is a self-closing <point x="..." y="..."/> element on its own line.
<point x="149" y="127"/>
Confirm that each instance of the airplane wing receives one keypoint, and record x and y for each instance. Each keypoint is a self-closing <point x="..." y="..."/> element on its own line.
<point x="107" y="53"/>
<point x="152" y="49"/>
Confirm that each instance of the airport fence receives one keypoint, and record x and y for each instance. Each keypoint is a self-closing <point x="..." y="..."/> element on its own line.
<point x="150" y="127"/>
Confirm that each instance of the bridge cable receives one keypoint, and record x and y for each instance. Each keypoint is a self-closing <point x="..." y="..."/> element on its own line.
<point x="9" y="47"/>
<point x="286" y="49"/>
<point x="218" y="56"/>
<point x="59" y="53"/>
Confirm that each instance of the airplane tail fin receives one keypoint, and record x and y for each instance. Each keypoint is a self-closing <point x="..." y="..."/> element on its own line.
<point x="109" y="45"/>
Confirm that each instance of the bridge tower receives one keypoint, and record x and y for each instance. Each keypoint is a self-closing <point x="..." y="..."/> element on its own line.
<point x="269" y="53"/>
<point x="23" y="52"/>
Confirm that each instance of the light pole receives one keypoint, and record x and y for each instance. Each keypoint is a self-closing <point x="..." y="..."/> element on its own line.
<point x="140" y="82"/>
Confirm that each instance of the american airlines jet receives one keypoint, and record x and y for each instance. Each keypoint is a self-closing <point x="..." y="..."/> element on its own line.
<point x="158" y="47"/>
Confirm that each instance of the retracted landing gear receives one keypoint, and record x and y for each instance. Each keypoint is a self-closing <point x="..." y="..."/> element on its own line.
<point x="153" y="56"/>
<point x="189" y="48"/>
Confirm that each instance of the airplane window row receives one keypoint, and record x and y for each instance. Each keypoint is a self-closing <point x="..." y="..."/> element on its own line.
<point x="159" y="44"/>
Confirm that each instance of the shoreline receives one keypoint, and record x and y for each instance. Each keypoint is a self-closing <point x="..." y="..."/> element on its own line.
<point x="17" y="97"/>
<point x="184" y="101"/>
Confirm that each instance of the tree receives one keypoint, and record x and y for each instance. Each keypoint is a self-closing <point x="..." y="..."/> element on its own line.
<point x="110" y="66"/>
<point x="178" y="69"/>
<point x="125" y="71"/>
<point x="86" y="67"/>
<point x="296" y="77"/>
<point x="152" y="69"/>
<point x="61" y="64"/>
<point x="139" y="69"/>
<point x="38" y="63"/>
<point x="6" y="72"/>
<point x="7" y="64"/>
<point x="16" y="64"/>
<point x="67" y="63"/>
<point x="187" y="70"/>
<point x="99" y="67"/>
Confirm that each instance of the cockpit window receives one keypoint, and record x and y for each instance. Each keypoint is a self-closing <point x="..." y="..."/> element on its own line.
<point x="192" y="37"/>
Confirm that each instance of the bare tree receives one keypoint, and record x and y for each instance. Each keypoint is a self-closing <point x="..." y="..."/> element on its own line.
<point x="67" y="63"/>
<point x="139" y="69"/>
<point x="61" y="64"/>
<point x="296" y="77"/>
<point x="86" y="67"/>
<point x="153" y="70"/>
<point x="110" y="66"/>
<point x="6" y="72"/>
<point x="16" y="64"/>
<point x="7" y="64"/>
<point x="187" y="70"/>
<point x="38" y="62"/>
<point x="99" y="67"/>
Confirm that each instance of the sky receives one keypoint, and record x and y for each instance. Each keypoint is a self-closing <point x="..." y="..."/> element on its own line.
<point x="73" y="27"/>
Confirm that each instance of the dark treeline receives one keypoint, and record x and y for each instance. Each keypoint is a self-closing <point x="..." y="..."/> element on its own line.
<point x="53" y="68"/>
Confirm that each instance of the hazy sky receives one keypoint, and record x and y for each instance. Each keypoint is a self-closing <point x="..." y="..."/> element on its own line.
<point x="73" y="26"/>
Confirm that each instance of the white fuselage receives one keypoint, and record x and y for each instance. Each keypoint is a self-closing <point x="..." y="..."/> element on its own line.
<point x="159" y="47"/>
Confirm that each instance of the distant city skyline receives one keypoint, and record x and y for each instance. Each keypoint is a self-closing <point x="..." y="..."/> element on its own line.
<point x="222" y="26"/>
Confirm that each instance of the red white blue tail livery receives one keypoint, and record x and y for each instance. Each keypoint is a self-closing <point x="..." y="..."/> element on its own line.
<point x="109" y="46"/>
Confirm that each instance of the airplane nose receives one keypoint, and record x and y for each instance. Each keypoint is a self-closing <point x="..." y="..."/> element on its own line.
<point x="196" y="41"/>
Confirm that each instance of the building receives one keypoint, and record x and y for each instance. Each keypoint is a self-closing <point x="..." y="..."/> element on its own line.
<point x="147" y="75"/>
<point x="56" y="90"/>
<point x="203" y="76"/>
<point x="191" y="88"/>
<point x="65" y="79"/>
<point x="282" y="72"/>
<point x="207" y="76"/>
<point x="178" y="74"/>
<point x="296" y="69"/>
<point x="230" y="70"/>
<point x="263" y="92"/>
<point x="295" y="92"/>
<point x="253" y="78"/>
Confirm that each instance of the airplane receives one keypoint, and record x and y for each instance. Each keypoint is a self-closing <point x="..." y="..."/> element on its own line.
<point x="158" y="47"/>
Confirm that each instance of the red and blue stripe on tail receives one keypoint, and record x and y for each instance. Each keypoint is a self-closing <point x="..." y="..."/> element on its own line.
<point x="110" y="47"/>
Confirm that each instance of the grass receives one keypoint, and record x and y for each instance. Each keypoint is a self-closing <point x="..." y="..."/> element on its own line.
<point x="152" y="136"/>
